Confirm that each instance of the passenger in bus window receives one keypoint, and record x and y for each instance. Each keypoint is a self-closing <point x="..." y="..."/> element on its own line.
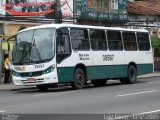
<point x="60" y="44"/>
<point x="60" y="47"/>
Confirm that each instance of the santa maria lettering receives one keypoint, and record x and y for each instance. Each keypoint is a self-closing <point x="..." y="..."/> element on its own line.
<point x="84" y="56"/>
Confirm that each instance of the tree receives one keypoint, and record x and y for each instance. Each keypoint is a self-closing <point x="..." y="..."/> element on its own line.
<point x="156" y="46"/>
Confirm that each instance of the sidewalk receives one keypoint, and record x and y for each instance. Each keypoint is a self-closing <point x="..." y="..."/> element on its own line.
<point x="12" y="87"/>
<point x="151" y="75"/>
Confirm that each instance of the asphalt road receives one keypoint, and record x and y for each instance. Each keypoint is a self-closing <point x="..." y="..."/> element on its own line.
<point x="90" y="102"/>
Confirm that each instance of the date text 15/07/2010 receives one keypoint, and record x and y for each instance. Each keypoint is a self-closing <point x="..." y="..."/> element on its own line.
<point x="131" y="117"/>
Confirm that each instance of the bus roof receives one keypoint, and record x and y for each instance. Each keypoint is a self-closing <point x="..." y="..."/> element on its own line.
<point x="82" y="26"/>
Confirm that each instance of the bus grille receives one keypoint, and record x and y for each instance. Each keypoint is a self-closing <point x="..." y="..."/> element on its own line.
<point x="31" y="74"/>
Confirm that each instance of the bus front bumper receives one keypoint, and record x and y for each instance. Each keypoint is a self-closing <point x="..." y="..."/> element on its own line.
<point x="44" y="79"/>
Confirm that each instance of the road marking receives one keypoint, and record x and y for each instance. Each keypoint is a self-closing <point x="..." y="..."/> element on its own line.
<point x="2" y="111"/>
<point x="57" y="93"/>
<point x="154" y="82"/>
<point x="155" y="111"/>
<point x="143" y="92"/>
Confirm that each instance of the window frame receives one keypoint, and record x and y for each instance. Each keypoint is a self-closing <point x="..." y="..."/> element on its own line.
<point x="124" y="41"/>
<point x="89" y="45"/>
<point x="62" y="56"/>
<point x="114" y="4"/>
<point x="99" y="40"/>
<point x="138" y="42"/>
<point x="122" y="45"/>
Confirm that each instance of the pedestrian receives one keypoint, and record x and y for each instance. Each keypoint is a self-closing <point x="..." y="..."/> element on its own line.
<point x="7" y="69"/>
<point x="17" y="6"/>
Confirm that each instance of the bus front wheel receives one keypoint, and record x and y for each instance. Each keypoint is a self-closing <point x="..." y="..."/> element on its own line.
<point x="79" y="79"/>
<point x="43" y="87"/>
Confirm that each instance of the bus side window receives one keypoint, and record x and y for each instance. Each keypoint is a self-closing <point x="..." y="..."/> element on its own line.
<point x="98" y="40"/>
<point x="143" y="41"/>
<point x="63" y="48"/>
<point x="129" y="39"/>
<point x="60" y="44"/>
<point x="114" y="40"/>
<point x="80" y="39"/>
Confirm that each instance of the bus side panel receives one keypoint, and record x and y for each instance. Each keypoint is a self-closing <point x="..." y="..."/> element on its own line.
<point x="144" y="68"/>
<point x="107" y="71"/>
<point x="107" y="64"/>
<point x="142" y="59"/>
<point x="65" y="74"/>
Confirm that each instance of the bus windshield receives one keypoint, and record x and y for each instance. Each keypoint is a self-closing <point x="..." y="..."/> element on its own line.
<point x="34" y="46"/>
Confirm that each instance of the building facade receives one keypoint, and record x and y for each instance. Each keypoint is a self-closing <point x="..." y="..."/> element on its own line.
<point x="144" y="13"/>
<point x="102" y="12"/>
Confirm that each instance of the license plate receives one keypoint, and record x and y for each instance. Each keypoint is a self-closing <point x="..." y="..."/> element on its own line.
<point x="31" y="79"/>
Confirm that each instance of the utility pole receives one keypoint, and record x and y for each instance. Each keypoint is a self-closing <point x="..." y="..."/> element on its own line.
<point x="147" y="19"/>
<point x="58" y="14"/>
<point x="0" y="60"/>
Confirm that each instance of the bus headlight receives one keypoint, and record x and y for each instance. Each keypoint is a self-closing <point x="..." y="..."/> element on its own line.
<point x="14" y="73"/>
<point x="48" y="70"/>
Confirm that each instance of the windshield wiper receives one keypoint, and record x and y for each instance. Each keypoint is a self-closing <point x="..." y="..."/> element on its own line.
<point x="32" y="47"/>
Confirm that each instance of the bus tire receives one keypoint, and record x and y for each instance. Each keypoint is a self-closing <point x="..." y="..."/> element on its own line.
<point x="132" y="74"/>
<point x="79" y="79"/>
<point x="99" y="83"/>
<point x="43" y="87"/>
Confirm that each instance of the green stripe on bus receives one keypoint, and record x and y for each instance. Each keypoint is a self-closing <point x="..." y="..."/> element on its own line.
<point x="144" y="68"/>
<point x="110" y="71"/>
<point x="65" y="74"/>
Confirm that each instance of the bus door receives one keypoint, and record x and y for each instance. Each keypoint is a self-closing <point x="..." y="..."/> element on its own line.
<point x="63" y="55"/>
<point x="63" y="48"/>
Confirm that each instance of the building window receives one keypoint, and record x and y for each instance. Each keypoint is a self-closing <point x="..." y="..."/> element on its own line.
<point x="90" y="3"/>
<point x="99" y="5"/>
<point x="114" y="4"/>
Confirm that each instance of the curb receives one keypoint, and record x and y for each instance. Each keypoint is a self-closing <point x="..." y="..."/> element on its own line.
<point x="148" y="76"/>
<point x="13" y="87"/>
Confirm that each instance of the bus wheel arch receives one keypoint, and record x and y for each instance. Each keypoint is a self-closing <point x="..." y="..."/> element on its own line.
<point x="79" y="76"/>
<point x="83" y="67"/>
<point x="132" y="63"/>
<point x="131" y="74"/>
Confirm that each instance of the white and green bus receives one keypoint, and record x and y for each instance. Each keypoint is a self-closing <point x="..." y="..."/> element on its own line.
<point x="73" y="54"/>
